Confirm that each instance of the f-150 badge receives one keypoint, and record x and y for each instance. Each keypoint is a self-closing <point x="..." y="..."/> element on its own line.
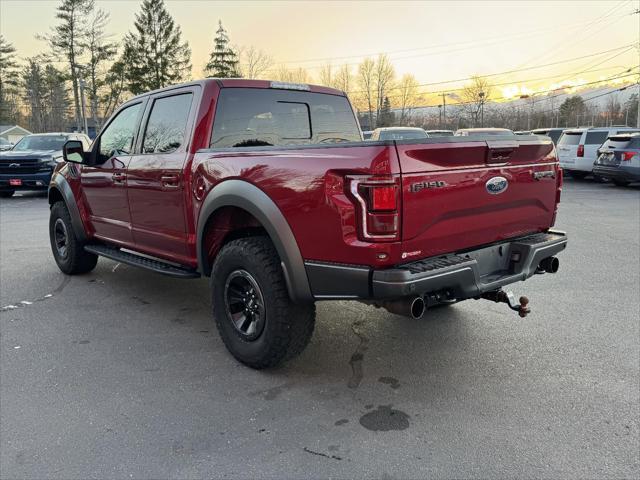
<point x="416" y="187"/>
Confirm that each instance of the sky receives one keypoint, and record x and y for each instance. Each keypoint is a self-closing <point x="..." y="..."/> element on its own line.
<point x="435" y="41"/>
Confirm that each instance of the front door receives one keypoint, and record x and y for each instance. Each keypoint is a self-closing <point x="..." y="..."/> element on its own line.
<point x="104" y="182"/>
<point x="155" y="180"/>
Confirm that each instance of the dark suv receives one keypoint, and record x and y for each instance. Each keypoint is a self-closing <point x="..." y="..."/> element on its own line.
<point x="619" y="159"/>
<point x="30" y="163"/>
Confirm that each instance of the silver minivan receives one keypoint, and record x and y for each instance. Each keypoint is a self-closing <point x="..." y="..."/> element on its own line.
<point x="578" y="148"/>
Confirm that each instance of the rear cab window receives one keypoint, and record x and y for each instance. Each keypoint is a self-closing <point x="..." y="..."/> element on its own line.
<point x="570" y="138"/>
<point x="251" y="117"/>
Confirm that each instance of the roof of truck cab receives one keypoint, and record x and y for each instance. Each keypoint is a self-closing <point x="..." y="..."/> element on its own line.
<point x="245" y="83"/>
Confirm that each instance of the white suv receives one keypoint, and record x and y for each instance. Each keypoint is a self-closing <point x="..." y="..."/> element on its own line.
<point x="578" y="148"/>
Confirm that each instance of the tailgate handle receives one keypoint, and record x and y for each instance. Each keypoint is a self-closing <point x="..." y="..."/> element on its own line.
<point x="500" y="152"/>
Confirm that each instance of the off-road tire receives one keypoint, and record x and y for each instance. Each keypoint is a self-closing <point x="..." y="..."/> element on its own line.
<point x="6" y="193"/>
<point x="76" y="260"/>
<point x="288" y="327"/>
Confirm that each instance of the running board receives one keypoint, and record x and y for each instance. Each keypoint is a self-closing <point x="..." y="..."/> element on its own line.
<point x="154" y="265"/>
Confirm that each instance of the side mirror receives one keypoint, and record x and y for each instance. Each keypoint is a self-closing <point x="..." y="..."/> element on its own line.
<point x="73" y="151"/>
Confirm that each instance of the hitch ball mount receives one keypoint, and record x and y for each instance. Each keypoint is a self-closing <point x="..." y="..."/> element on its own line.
<point x="500" y="296"/>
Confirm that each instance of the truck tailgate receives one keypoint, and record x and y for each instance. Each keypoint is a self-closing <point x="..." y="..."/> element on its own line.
<point x="458" y="194"/>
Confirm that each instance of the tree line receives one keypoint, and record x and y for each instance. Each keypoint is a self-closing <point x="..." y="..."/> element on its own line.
<point x="86" y="74"/>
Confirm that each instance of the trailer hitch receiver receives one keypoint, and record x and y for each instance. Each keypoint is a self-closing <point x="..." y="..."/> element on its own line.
<point x="500" y="296"/>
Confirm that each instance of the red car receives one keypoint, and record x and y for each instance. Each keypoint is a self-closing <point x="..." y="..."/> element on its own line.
<point x="268" y="188"/>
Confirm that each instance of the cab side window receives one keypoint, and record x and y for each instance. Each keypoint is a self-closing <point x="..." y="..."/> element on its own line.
<point x="167" y="123"/>
<point x="118" y="137"/>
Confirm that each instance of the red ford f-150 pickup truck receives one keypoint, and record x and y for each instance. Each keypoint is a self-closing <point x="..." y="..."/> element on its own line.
<point x="268" y="188"/>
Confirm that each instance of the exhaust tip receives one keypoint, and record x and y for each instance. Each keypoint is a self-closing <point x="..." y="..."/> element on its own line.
<point x="550" y="265"/>
<point x="417" y="307"/>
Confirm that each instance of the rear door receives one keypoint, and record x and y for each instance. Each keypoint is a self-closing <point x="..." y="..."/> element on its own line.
<point x="470" y="192"/>
<point x="155" y="176"/>
<point x="593" y="141"/>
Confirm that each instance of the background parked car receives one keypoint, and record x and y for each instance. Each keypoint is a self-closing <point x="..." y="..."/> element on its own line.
<point x="468" y="132"/>
<point x="398" y="133"/>
<point x="5" y="145"/>
<point x="619" y="159"/>
<point x="439" y="133"/>
<point x="29" y="165"/>
<point x="578" y="148"/>
<point x="553" y="133"/>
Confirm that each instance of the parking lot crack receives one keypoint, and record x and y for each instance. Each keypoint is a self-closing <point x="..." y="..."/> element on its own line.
<point x="320" y="454"/>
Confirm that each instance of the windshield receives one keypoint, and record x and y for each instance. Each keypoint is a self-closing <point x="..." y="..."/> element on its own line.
<point x="41" y="142"/>
<point x="402" y="134"/>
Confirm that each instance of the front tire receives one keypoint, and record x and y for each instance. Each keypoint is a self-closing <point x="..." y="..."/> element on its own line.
<point x="256" y="319"/>
<point x="68" y="250"/>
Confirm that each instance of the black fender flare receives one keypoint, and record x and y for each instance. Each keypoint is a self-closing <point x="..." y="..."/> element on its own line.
<point x="244" y="195"/>
<point x="59" y="183"/>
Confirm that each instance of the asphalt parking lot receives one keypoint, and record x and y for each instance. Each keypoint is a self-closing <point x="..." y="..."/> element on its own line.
<point x="121" y="374"/>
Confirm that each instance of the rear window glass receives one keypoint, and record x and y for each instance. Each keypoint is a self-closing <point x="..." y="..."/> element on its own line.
<point x="570" y="138"/>
<point x="248" y="117"/>
<point x="596" y="138"/>
<point x="635" y="143"/>
<point x="616" y="142"/>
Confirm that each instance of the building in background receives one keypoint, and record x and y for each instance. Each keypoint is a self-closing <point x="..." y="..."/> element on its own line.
<point x="13" y="133"/>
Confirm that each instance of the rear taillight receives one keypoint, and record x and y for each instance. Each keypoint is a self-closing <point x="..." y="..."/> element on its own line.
<point x="627" y="156"/>
<point x="580" y="151"/>
<point x="378" y="200"/>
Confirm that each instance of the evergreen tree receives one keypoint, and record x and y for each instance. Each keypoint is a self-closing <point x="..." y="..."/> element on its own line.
<point x="8" y="84"/>
<point x="66" y="41"/>
<point x="157" y="54"/>
<point x="387" y="117"/>
<point x="46" y="94"/>
<point x="223" y="61"/>
<point x="571" y="110"/>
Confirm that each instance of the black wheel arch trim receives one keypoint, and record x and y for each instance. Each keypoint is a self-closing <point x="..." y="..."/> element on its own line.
<point x="59" y="183"/>
<point x="244" y="195"/>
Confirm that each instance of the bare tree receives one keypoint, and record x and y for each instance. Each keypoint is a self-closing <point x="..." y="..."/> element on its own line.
<point x="100" y="51"/>
<point x="297" y="75"/>
<point x="254" y="62"/>
<point x="343" y="79"/>
<point x="326" y="75"/>
<point x="384" y="74"/>
<point x="366" y="83"/>
<point x="408" y="96"/>
<point x="613" y="110"/>
<point x="474" y="97"/>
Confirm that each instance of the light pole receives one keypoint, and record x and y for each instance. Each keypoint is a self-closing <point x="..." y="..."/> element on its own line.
<point x="481" y="95"/>
<point x="439" y="116"/>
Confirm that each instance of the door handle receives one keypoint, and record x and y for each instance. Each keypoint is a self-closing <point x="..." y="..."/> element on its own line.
<point x="170" y="181"/>
<point x="119" y="177"/>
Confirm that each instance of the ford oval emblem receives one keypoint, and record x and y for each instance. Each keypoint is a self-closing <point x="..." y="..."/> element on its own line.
<point x="496" y="185"/>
